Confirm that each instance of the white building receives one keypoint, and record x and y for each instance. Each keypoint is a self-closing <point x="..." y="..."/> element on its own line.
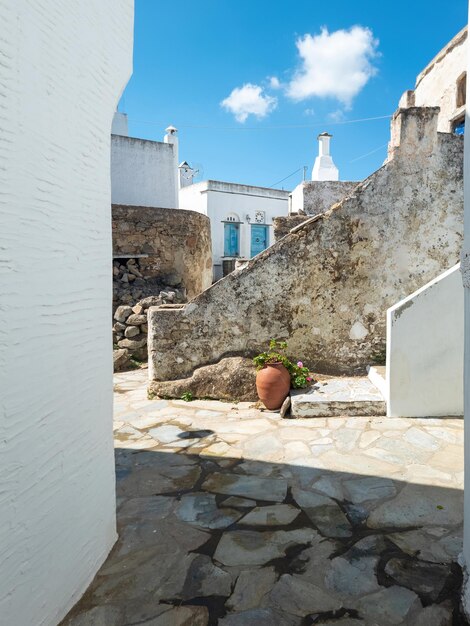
<point x="143" y="172"/>
<point x="57" y="512"/>
<point x="241" y="217"/>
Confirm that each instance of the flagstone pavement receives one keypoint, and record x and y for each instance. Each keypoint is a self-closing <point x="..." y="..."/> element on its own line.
<point x="230" y="515"/>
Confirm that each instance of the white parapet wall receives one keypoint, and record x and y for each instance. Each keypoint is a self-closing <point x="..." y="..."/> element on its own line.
<point x="143" y="173"/>
<point x="425" y="334"/>
<point x="64" y="66"/>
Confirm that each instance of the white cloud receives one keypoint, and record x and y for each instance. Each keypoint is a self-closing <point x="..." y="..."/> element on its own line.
<point x="274" y="82"/>
<point x="309" y="111"/>
<point x="249" y="100"/>
<point x="337" y="64"/>
<point x="336" y="116"/>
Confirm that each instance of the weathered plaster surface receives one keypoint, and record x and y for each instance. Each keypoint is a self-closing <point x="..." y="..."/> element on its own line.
<point x="425" y="350"/>
<point x="64" y="65"/>
<point x="177" y="243"/>
<point x="314" y="197"/>
<point x="337" y="273"/>
<point x="436" y="85"/>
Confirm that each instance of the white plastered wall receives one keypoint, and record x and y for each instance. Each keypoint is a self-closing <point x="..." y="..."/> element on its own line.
<point x="437" y="84"/>
<point x="64" y="65"/>
<point x="425" y="350"/>
<point x="143" y="173"/>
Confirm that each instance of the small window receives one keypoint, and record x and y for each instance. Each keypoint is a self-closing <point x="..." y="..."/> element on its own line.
<point x="232" y="217"/>
<point x="461" y="90"/>
<point x="458" y="127"/>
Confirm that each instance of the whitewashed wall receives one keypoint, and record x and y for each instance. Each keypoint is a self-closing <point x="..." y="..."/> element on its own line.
<point x="218" y="200"/>
<point x="437" y="83"/>
<point x="143" y="173"/>
<point x="64" y="65"/>
<point x="425" y="350"/>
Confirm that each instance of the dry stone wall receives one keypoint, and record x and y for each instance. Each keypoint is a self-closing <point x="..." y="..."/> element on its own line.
<point x="130" y="331"/>
<point x="326" y="287"/>
<point x="284" y="224"/>
<point x="173" y="246"/>
<point x="160" y="257"/>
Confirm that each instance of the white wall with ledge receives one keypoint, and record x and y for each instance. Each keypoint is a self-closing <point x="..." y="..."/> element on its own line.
<point x="143" y="172"/>
<point x="64" y="66"/>
<point x="439" y="83"/>
<point x="425" y="350"/>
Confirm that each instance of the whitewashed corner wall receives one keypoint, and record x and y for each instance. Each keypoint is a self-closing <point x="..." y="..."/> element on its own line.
<point x="63" y="67"/>
<point x="465" y="265"/>
<point x="425" y="350"/>
<point x="143" y="173"/>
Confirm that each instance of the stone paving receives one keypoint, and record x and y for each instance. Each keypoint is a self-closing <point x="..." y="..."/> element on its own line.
<point x="230" y="515"/>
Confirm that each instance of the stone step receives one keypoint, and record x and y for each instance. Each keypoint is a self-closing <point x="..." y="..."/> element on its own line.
<point x="334" y="397"/>
<point x="377" y="375"/>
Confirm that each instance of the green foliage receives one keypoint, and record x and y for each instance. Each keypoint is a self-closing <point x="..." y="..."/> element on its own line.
<point x="135" y="363"/>
<point x="299" y="375"/>
<point x="187" y="396"/>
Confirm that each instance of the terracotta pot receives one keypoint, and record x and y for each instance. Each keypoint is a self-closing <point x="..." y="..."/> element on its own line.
<point x="273" y="385"/>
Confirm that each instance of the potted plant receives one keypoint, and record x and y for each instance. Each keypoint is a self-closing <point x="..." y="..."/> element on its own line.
<point x="277" y="374"/>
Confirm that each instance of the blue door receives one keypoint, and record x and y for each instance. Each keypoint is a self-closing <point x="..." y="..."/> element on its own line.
<point x="259" y="239"/>
<point x="231" y="240"/>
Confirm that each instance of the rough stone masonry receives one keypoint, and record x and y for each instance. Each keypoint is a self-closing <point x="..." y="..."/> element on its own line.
<point x="173" y="246"/>
<point x="160" y="256"/>
<point x="326" y="286"/>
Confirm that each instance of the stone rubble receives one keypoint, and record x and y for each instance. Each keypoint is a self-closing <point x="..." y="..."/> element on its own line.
<point x="133" y="295"/>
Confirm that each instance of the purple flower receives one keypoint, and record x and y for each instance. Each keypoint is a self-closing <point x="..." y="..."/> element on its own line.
<point x="300" y="364"/>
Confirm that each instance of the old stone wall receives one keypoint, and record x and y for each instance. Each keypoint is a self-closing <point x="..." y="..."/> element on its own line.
<point x="283" y="225"/>
<point x="313" y="197"/>
<point x="326" y="287"/>
<point x="173" y="247"/>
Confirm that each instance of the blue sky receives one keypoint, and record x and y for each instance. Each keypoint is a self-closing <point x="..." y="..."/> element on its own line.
<point x="331" y="61"/>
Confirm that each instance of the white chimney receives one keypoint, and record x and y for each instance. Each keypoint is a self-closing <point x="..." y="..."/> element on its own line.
<point x="171" y="137"/>
<point x="324" y="168"/>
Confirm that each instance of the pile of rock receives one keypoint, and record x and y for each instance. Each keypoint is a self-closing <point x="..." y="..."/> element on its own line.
<point x="130" y="333"/>
<point x="131" y="284"/>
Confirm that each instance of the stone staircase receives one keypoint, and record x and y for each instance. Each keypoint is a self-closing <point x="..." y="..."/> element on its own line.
<point x="332" y="397"/>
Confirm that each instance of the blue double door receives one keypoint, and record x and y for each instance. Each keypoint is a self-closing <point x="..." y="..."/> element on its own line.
<point x="259" y="239"/>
